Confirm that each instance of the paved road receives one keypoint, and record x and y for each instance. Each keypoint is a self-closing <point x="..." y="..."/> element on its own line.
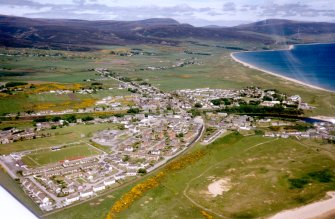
<point x="168" y="158"/>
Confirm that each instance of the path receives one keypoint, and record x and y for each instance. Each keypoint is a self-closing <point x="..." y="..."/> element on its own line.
<point x="188" y="184"/>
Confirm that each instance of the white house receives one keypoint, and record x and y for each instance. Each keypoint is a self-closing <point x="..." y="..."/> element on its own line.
<point x="129" y="149"/>
<point x="120" y="176"/>
<point x="99" y="187"/>
<point x="132" y="173"/>
<point x="71" y="199"/>
<point x="109" y="182"/>
<point x="86" y="193"/>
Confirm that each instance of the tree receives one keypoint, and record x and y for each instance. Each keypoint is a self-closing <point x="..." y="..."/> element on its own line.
<point x="56" y="118"/>
<point x="125" y="158"/>
<point x="142" y="171"/>
<point x="197" y="105"/>
<point x="133" y="110"/>
<point x="87" y="118"/>
<point x="180" y="135"/>
<point x="71" y="118"/>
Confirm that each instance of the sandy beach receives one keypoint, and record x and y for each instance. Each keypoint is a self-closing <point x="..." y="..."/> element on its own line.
<point x="325" y="118"/>
<point x="320" y="209"/>
<point x="275" y="74"/>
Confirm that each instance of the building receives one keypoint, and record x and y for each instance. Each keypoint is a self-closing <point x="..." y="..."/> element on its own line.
<point x="99" y="187"/>
<point x="86" y="194"/>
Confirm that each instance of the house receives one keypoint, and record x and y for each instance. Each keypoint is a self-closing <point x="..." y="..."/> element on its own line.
<point x="99" y="187"/>
<point x="43" y="198"/>
<point x="72" y="198"/>
<point x="131" y="173"/>
<point x="129" y="149"/>
<point x="119" y="176"/>
<point x="87" y="193"/>
<point x="109" y="182"/>
<point x="156" y="152"/>
<point x="133" y="167"/>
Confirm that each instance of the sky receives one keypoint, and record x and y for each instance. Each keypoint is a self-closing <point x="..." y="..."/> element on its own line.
<point x="194" y="12"/>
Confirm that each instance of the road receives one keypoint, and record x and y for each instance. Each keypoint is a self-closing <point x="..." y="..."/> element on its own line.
<point x="161" y="165"/>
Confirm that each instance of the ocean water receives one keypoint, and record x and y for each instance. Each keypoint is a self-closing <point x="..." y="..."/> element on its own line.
<point x="313" y="64"/>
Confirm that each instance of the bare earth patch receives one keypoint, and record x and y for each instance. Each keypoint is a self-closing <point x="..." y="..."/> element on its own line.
<point x="219" y="187"/>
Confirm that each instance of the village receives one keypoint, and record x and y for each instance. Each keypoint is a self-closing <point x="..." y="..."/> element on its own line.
<point x="156" y="127"/>
<point x="207" y="98"/>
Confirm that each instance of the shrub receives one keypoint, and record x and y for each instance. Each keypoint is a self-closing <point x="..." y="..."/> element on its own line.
<point x="323" y="176"/>
<point x="133" y="110"/>
<point x="14" y="84"/>
<point x="87" y="118"/>
<point x="298" y="183"/>
<point x="197" y="105"/>
<point x="142" y="171"/>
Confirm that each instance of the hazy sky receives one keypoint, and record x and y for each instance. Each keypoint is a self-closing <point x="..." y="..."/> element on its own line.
<point x="195" y="12"/>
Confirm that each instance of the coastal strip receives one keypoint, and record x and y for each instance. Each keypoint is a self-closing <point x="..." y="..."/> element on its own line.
<point x="232" y="55"/>
<point x="313" y="210"/>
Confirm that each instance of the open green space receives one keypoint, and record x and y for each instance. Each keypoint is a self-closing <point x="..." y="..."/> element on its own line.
<point x="59" y="136"/>
<point x="29" y="101"/>
<point x="68" y="152"/>
<point x="260" y="171"/>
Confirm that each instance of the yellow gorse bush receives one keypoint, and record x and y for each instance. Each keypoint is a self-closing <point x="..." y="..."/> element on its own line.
<point x="137" y="191"/>
<point x="206" y="215"/>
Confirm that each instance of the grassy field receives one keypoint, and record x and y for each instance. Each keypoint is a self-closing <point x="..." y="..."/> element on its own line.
<point x="30" y="100"/>
<point x="69" y="152"/>
<point x="260" y="171"/>
<point x="58" y="136"/>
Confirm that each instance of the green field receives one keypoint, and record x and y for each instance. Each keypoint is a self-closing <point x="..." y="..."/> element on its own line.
<point x="259" y="169"/>
<point x="70" y="152"/>
<point x="22" y="102"/>
<point x="58" y="136"/>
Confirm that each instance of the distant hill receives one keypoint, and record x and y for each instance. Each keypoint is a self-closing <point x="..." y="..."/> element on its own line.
<point x="213" y="26"/>
<point x="85" y="35"/>
<point x="288" y="28"/>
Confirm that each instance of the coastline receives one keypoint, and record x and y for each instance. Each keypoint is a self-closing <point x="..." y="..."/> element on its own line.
<point x="325" y="118"/>
<point x="313" y="210"/>
<point x="275" y="74"/>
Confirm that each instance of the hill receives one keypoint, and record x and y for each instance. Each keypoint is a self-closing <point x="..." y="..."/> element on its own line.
<point x="70" y="34"/>
<point x="283" y="27"/>
<point x="82" y="34"/>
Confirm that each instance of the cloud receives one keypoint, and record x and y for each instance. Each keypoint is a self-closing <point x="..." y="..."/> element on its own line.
<point x="229" y="6"/>
<point x="22" y="3"/>
<point x="195" y="12"/>
<point x="294" y="10"/>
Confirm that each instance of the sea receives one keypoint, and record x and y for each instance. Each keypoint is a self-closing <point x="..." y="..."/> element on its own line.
<point x="312" y="64"/>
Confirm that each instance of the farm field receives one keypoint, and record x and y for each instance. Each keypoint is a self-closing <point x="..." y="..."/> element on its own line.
<point x="262" y="175"/>
<point x="68" y="152"/>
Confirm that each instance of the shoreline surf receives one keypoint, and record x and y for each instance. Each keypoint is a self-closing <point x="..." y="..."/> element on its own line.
<point x="273" y="73"/>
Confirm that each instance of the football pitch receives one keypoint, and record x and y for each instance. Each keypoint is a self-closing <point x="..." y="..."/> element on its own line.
<point x="67" y="152"/>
